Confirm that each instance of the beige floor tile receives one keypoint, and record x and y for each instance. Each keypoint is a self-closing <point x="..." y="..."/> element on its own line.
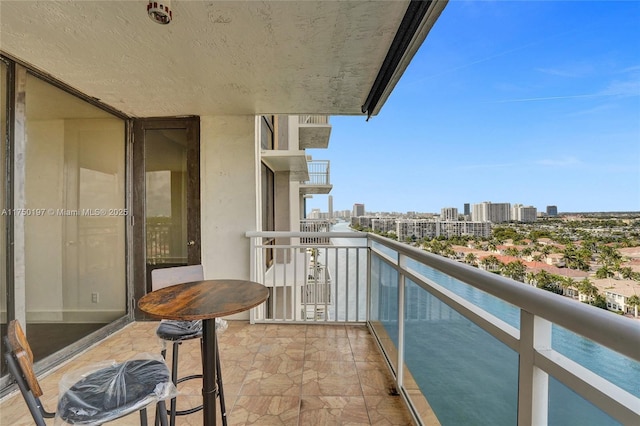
<point x="273" y="377"/>
<point x="283" y="374"/>
<point x="333" y="410"/>
<point x="330" y="378"/>
<point x="332" y="349"/>
<point x="265" y="411"/>
<point x="387" y="410"/>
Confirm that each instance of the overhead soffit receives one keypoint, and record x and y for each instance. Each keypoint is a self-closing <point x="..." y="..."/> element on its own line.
<point x="214" y="58"/>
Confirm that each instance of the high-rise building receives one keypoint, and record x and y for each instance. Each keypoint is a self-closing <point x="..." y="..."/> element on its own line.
<point x="552" y="211"/>
<point x="521" y="213"/>
<point x="358" y="210"/>
<point x="467" y="209"/>
<point x="449" y="213"/>
<point x="330" y="206"/>
<point x="491" y="212"/>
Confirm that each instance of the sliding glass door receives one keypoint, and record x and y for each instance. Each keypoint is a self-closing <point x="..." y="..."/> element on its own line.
<point x="66" y="214"/>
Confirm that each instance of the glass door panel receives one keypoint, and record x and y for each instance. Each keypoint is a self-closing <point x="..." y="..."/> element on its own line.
<point x="75" y="218"/>
<point x="166" y="197"/>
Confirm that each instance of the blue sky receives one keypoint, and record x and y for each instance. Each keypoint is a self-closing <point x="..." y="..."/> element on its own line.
<point x="532" y="102"/>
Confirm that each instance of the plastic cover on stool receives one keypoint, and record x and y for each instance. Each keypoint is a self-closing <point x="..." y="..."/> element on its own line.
<point x="105" y="391"/>
<point x="176" y="330"/>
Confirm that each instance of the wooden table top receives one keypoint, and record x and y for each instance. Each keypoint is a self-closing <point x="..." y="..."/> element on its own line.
<point x="203" y="299"/>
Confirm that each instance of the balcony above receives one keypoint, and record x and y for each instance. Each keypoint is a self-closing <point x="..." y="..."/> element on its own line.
<point x="294" y="162"/>
<point x="319" y="179"/>
<point x="289" y="57"/>
<point x="314" y="131"/>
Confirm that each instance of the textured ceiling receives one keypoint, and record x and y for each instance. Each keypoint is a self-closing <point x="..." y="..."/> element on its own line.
<point x="239" y="57"/>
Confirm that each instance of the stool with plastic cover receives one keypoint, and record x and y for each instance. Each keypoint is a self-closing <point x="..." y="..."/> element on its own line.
<point x="177" y="331"/>
<point x="96" y="394"/>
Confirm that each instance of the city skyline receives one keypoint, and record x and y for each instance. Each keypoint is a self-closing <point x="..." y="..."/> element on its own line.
<point x="523" y="102"/>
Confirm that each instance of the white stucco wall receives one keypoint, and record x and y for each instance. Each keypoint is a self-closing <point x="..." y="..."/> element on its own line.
<point x="228" y="195"/>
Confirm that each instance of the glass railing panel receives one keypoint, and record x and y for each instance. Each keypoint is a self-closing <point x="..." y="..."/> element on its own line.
<point x="466" y="375"/>
<point x="495" y="306"/>
<point x="384" y="249"/>
<point x="383" y="306"/>
<point x="568" y="408"/>
<point x="618" y="369"/>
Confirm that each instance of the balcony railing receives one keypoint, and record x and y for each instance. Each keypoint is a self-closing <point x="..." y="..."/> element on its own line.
<point x="318" y="172"/>
<point x="313" y="119"/>
<point x="476" y="347"/>
<point x="315" y="225"/>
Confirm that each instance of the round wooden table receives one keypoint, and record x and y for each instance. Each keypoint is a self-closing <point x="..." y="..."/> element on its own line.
<point x="205" y="300"/>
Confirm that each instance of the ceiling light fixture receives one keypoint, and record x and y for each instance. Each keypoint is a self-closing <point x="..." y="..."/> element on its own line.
<point x="160" y="12"/>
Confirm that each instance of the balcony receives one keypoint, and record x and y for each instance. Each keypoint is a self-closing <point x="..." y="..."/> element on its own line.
<point x="402" y="336"/>
<point x="294" y="162"/>
<point x="463" y="345"/>
<point x="319" y="181"/>
<point x="314" y="131"/>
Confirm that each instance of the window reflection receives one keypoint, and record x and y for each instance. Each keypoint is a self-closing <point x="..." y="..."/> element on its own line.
<point x="75" y="249"/>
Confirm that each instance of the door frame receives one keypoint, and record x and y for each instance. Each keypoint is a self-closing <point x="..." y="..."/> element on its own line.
<point x="141" y="286"/>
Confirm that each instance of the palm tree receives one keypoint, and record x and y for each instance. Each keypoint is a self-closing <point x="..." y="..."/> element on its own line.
<point x="526" y="252"/>
<point x="567" y="283"/>
<point x="587" y="288"/>
<point x="610" y="257"/>
<point x="604" y="272"/>
<point x="490" y="263"/>
<point x="626" y="272"/>
<point x="471" y="259"/>
<point x="544" y="280"/>
<point x="512" y="251"/>
<point x="515" y="270"/>
<point x="531" y="278"/>
<point x="635" y="302"/>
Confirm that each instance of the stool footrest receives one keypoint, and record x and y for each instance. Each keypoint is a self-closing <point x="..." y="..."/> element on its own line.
<point x="186" y="412"/>
<point x="193" y="376"/>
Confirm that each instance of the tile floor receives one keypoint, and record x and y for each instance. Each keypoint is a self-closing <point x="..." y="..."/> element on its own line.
<point x="273" y="375"/>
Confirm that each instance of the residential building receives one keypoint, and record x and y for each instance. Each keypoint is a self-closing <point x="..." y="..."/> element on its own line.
<point x="520" y="213"/>
<point x="419" y="228"/>
<point x="491" y="212"/>
<point x="383" y="224"/>
<point x="358" y="210"/>
<point x="449" y="213"/>
<point x="617" y="293"/>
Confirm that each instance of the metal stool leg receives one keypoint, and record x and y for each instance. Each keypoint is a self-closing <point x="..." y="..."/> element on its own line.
<point x="174" y="378"/>
<point x="223" y="410"/>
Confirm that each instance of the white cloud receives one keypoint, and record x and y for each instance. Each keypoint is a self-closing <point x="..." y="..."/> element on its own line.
<point x="560" y="162"/>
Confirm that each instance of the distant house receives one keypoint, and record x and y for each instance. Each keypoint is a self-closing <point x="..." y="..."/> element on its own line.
<point x="555" y="259"/>
<point x="617" y="293"/>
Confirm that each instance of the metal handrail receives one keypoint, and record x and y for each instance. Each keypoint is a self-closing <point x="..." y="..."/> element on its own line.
<point x="617" y="333"/>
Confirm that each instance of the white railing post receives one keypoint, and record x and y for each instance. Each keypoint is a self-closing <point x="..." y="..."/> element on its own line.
<point x="533" y="383"/>
<point x="253" y="274"/>
<point x="401" y="288"/>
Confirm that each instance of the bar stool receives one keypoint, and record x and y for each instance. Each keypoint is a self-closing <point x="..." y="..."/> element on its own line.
<point x="178" y="331"/>
<point x="98" y="396"/>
